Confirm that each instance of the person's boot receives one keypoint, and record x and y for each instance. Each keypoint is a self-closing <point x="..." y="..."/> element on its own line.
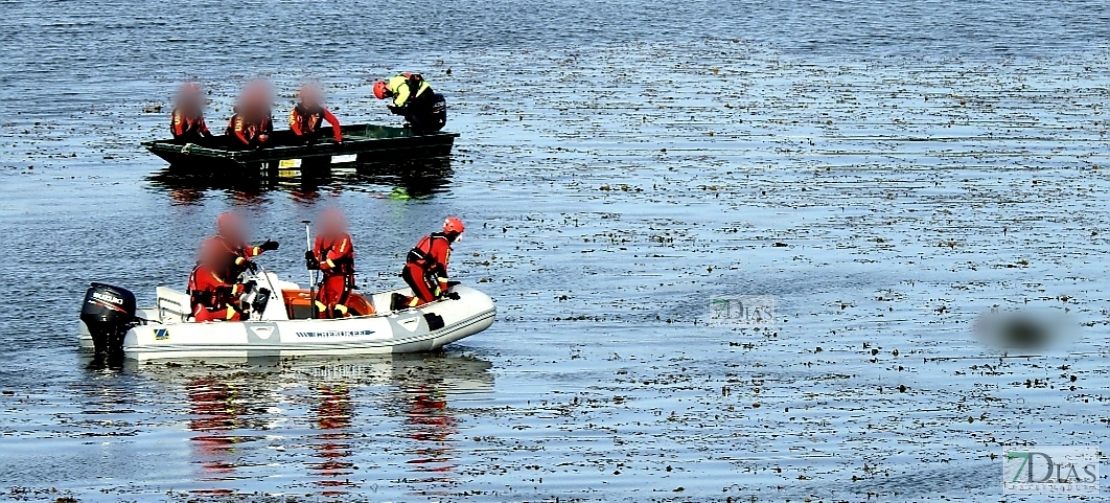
<point x="398" y="302"/>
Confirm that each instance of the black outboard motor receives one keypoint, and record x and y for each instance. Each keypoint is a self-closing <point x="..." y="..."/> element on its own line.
<point x="109" y="312"/>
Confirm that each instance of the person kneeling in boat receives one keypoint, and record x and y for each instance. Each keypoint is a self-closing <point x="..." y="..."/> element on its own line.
<point x="211" y="296"/>
<point x="306" y="118"/>
<point x="426" y="266"/>
<point x="424" y="110"/>
<point x="187" y="120"/>
<point x="252" y="124"/>
<point x="237" y="254"/>
<point x="334" y="256"/>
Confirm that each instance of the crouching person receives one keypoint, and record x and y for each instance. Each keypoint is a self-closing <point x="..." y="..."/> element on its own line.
<point x="426" y="266"/>
<point x="211" y="296"/>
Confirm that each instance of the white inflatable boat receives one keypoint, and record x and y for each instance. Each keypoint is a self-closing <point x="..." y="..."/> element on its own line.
<point x="280" y="324"/>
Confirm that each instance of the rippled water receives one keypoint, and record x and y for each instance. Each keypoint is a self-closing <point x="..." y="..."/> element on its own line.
<point x="886" y="171"/>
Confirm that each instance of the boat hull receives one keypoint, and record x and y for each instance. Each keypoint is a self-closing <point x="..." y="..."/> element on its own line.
<point x="421" y="329"/>
<point x="362" y="144"/>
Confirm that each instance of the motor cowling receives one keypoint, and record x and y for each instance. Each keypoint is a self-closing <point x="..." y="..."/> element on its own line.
<point x="108" y="312"/>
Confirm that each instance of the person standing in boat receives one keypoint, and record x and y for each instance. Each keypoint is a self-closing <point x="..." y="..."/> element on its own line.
<point x="253" y="124"/>
<point x="426" y="266"/>
<point x="187" y="120"/>
<point x="212" y="296"/>
<point x="237" y="254"/>
<point x="424" y="110"/>
<point x="334" y="256"/>
<point x="306" y="119"/>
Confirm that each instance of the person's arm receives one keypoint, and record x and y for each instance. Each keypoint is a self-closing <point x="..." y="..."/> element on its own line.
<point x="266" y="128"/>
<point x="334" y="121"/>
<point x="254" y="251"/>
<point x="340" y="251"/>
<point x="401" y="96"/>
<point x="203" y="127"/>
<point x="441" y="254"/>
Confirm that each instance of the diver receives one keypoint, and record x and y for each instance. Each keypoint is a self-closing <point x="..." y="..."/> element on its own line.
<point x="212" y="294"/>
<point x="187" y="120"/>
<point x="426" y="266"/>
<point x="424" y="110"/>
<point x="306" y="119"/>
<point x="237" y="254"/>
<point x="253" y="124"/>
<point x="334" y="256"/>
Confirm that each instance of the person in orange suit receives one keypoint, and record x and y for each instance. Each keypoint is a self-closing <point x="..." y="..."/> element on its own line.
<point x="426" y="266"/>
<point x="334" y="255"/>
<point x="237" y="253"/>
<point x="306" y="119"/>
<point x="252" y="125"/>
<point x="187" y="120"/>
<point x="211" y="296"/>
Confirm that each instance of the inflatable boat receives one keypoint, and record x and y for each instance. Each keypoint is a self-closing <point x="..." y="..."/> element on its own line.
<point x="278" y="322"/>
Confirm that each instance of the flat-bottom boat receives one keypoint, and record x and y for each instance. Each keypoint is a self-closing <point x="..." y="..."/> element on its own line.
<point x="287" y="157"/>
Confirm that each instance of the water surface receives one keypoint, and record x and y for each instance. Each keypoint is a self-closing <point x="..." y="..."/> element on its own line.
<point x="887" y="171"/>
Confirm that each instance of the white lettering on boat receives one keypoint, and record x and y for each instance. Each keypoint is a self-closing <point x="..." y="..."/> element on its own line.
<point x="335" y="333"/>
<point x="107" y="298"/>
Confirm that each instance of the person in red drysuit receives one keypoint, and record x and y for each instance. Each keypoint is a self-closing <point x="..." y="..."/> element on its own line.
<point x="426" y="266"/>
<point x="237" y="254"/>
<point x="252" y="124"/>
<point x="306" y="118"/>
<point x="211" y="296"/>
<point x="187" y="120"/>
<point x="334" y="256"/>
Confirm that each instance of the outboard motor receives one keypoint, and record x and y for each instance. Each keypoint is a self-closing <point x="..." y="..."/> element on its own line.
<point x="109" y="312"/>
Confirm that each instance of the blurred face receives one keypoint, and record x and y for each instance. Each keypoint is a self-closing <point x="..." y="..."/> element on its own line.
<point x="190" y="96"/>
<point x="256" y="98"/>
<point x="211" y="256"/>
<point x="333" y="222"/>
<point x="310" y="96"/>
<point x="230" y="227"/>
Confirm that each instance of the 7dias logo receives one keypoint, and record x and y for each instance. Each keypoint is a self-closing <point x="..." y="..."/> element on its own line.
<point x="1050" y="470"/>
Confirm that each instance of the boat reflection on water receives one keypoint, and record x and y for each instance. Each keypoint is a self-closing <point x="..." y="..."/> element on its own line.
<point x="415" y="179"/>
<point x="430" y="423"/>
<point x="224" y="414"/>
<point x="332" y="444"/>
<point x="350" y="425"/>
<point x="417" y="391"/>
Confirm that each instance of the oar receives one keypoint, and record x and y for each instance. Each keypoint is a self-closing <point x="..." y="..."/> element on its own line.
<point x="311" y="272"/>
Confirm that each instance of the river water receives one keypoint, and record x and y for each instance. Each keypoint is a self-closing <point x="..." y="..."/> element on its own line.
<point x="886" y="172"/>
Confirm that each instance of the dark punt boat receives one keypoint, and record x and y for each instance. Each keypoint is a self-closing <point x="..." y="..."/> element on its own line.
<point x="362" y="144"/>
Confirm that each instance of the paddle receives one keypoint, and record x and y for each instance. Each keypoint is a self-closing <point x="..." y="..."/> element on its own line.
<point x="311" y="272"/>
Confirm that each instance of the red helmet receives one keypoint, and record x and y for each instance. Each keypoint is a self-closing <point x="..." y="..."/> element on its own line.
<point x="453" y="226"/>
<point x="381" y="90"/>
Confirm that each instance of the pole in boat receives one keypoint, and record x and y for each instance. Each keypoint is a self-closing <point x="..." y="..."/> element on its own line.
<point x="311" y="272"/>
